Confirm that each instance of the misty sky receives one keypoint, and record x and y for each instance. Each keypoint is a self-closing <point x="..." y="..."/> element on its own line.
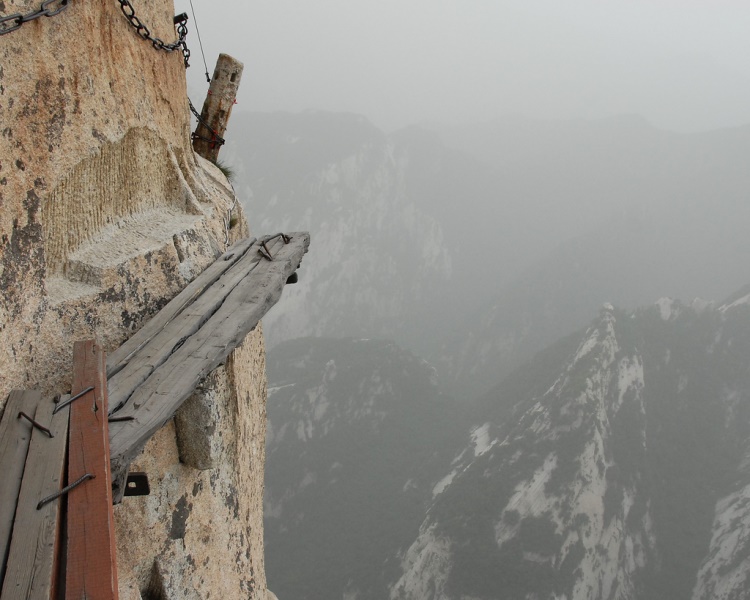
<point x="683" y="64"/>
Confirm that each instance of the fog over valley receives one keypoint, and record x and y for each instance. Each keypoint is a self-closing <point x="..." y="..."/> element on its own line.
<point x="516" y="363"/>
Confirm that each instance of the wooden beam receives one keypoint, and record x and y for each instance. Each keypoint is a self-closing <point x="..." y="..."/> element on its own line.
<point x="35" y="550"/>
<point x="155" y="401"/>
<point x="15" y="436"/>
<point x="91" y="571"/>
<point x="118" y="359"/>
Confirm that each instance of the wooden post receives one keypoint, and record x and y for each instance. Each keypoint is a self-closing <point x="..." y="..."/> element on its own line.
<point x="91" y="565"/>
<point x="217" y="107"/>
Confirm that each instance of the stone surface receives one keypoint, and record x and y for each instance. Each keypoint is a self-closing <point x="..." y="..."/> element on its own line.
<point x="105" y="211"/>
<point x="197" y="531"/>
<point x="105" y="214"/>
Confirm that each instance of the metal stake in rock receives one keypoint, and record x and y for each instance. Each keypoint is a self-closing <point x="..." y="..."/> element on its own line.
<point x="212" y="123"/>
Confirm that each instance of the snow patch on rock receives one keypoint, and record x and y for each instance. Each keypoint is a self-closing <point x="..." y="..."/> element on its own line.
<point x="425" y="568"/>
<point x="480" y="437"/>
<point x="724" y="573"/>
<point x="666" y="308"/>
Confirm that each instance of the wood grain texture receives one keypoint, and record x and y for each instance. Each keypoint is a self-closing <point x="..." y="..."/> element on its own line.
<point x="170" y="327"/>
<point x="15" y="436"/>
<point x="120" y="357"/>
<point x="35" y="546"/>
<point x="91" y="571"/>
<point x="155" y="401"/>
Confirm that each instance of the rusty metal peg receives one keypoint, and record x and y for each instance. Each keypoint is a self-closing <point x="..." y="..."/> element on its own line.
<point x="65" y="490"/>
<point x="36" y="424"/>
<point x="61" y="405"/>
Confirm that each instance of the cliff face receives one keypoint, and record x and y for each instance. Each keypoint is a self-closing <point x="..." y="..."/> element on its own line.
<point x="105" y="214"/>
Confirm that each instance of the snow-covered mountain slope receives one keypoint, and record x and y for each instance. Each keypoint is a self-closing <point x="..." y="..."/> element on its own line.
<point x="613" y="465"/>
<point x="725" y="571"/>
<point x="357" y="433"/>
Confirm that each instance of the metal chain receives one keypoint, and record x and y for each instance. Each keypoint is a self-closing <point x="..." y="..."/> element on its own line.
<point x="50" y="8"/>
<point x="216" y="139"/>
<point x="12" y="22"/>
<point x="129" y="11"/>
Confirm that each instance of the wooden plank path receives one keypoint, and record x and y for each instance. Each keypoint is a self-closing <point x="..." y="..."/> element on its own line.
<point x="120" y="357"/>
<point x="153" y="373"/>
<point x="34" y="550"/>
<point x="134" y="362"/>
<point x="57" y="539"/>
<point x="48" y="542"/>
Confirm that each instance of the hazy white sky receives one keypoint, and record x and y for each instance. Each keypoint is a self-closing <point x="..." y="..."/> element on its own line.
<point x="683" y="64"/>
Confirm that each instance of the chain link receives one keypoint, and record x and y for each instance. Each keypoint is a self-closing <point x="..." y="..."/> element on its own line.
<point x="50" y="8"/>
<point x="129" y="11"/>
<point x="12" y="22"/>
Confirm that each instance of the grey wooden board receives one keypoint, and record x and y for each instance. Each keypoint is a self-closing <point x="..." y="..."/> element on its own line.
<point x="157" y="399"/>
<point x="34" y="543"/>
<point x="179" y="326"/>
<point x="15" y="436"/>
<point x="120" y="357"/>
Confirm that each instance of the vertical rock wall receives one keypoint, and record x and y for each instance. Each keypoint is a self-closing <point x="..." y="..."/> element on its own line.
<point x="105" y="214"/>
<point x="199" y="533"/>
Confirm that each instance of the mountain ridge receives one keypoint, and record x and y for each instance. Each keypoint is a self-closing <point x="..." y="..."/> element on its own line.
<point x="606" y="443"/>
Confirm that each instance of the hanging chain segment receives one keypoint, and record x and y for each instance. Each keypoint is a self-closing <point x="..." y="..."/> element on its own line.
<point x="48" y="8"/>
<point x="129" y="11"/>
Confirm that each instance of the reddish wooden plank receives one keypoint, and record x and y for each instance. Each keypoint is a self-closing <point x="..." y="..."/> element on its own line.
<point x="15" y="435"/>
<point x="35" y="547"/>
<point x="91" y="572"/>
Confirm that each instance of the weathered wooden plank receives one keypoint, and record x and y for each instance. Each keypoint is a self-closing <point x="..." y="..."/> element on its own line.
<point x="154" y="402"/>
<point x="192" y="317"/>
<point x="91" y="571"/>
<point x="120" y="357"/>
<point x="15" y="436"/>
<point x="35" y="547"/>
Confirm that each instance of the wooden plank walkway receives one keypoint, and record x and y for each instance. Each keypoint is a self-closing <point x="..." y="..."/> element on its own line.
<point x="35" y="545"/>
<point x="162" y="364"/>
<point x="121" y="357"/>
<point x="48" y="543"/>
<point x="91" y="567"/>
